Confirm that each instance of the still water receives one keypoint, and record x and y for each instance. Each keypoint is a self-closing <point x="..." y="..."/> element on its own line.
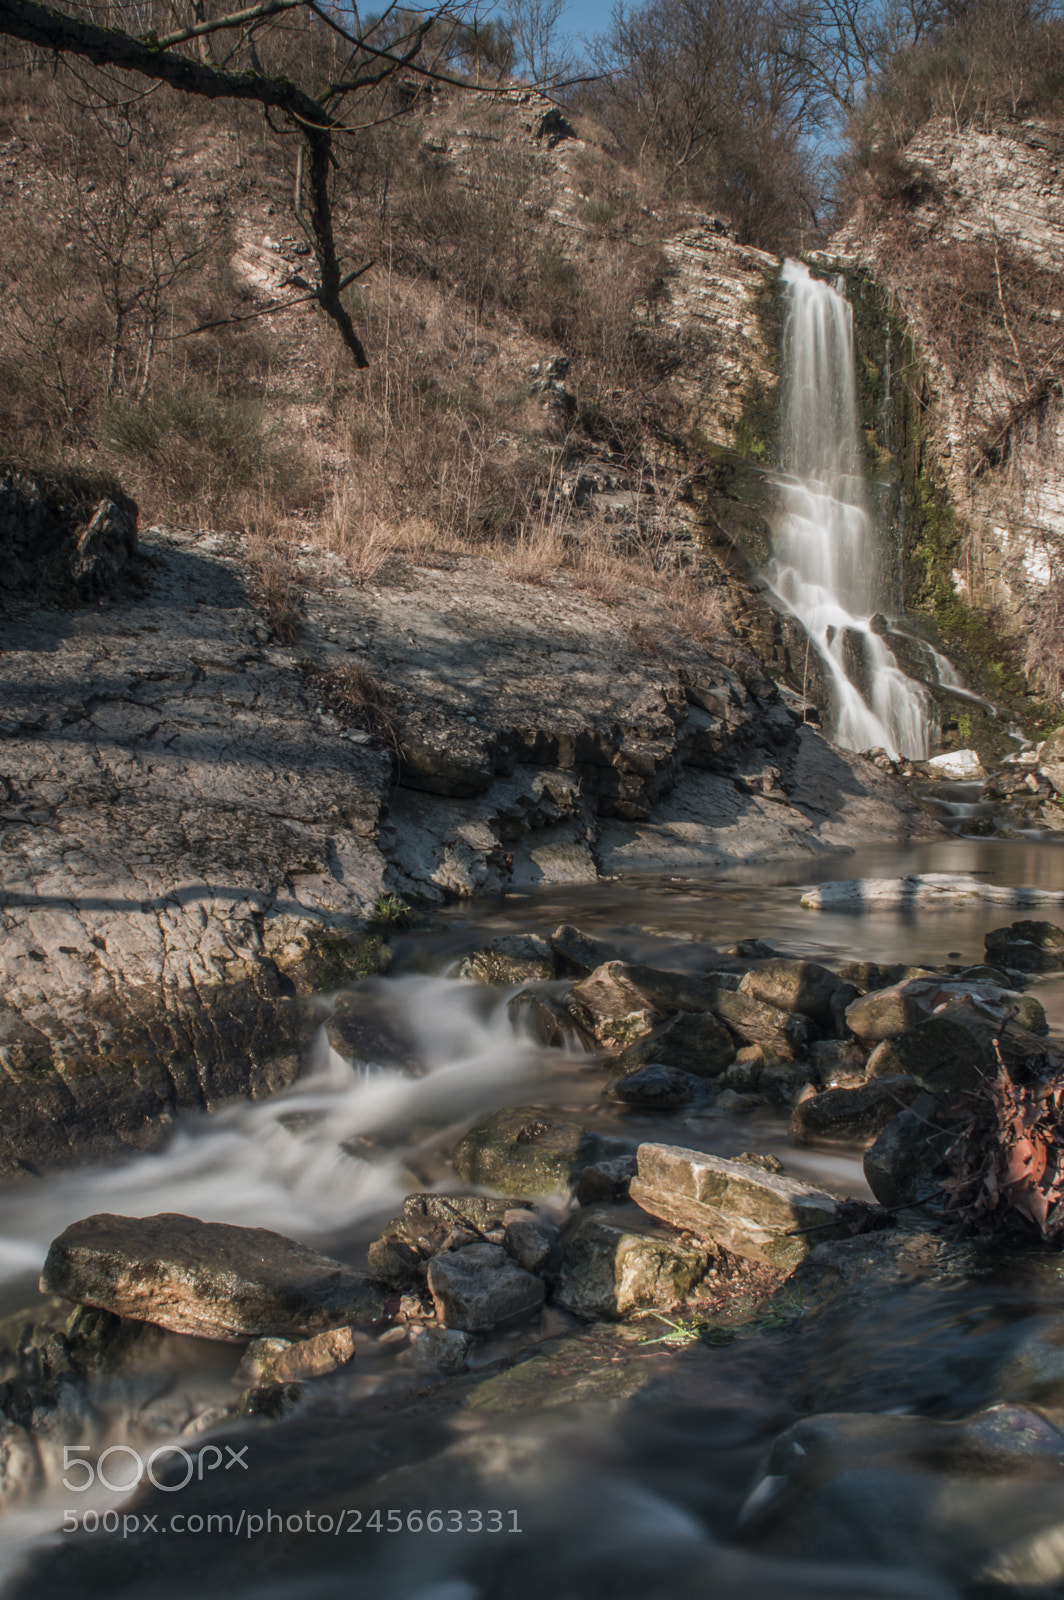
<point x="845" y="1453"/>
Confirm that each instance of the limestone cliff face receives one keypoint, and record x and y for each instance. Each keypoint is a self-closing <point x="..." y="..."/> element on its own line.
<point x="970" y="247"/>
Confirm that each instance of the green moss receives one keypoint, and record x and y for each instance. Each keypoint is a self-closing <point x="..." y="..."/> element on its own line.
<point x="757" y="430"/>
<point x="338" y="958"/>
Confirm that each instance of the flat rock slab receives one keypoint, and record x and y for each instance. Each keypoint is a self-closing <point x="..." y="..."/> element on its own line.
<point x="207" y="1278"/>
<point x="765" y="1216"/>
<point x="926" y="890"/>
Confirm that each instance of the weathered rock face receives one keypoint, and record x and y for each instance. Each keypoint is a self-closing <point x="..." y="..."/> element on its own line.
<point x="691" y="1042"/>
<point x="207" y="1278"/>
<point x="192" y="836"/>
<point x="802" y="986"/>
<point x="608" y="1270"/>
<point x="522" y="1150"/>
<point x="751" y="1212"/>
<point x="985" y="204"/>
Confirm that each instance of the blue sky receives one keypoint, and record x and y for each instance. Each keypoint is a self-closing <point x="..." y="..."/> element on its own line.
<point x="587" y="16"/>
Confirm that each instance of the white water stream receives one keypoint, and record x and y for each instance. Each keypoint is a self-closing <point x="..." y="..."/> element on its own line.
<point x="824" y="562"/>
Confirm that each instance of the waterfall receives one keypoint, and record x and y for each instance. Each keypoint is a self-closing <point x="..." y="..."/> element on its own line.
<point x="824" y="563"/>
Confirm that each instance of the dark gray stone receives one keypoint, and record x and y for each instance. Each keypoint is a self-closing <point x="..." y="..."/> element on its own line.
<point x="852" y="1116"/>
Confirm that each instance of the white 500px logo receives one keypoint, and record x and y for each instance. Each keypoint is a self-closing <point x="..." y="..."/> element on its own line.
<point x="86" y="1473"/>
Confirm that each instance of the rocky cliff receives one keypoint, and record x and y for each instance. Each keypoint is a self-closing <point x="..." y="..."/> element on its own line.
<point x="967" y="237"/>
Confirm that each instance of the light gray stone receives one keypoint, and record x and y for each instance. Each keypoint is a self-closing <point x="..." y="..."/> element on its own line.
<point x="763" y="1215"/>
<point x="608" y="1270"/>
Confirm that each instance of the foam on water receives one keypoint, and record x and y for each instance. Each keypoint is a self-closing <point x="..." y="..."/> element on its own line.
<point x="292" y="1163"/>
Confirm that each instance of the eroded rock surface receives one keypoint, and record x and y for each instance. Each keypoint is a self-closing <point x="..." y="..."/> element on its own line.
<point x="197" y="819"/>
<point x="206" y="1278"/>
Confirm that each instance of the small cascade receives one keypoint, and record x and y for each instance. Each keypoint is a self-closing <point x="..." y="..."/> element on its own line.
<point x="824" y="564"/>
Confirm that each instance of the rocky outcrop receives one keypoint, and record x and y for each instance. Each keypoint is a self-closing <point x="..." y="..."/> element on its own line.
<point x="63" y="535"/>
<point x="970" y="248"/>
<point x="198" y="819"/>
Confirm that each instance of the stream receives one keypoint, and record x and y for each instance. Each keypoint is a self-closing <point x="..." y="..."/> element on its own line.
<point x="838" y="1461"/>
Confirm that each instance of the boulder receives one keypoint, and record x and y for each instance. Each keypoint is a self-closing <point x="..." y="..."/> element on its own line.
<point x="577" y="954"/>
<point x="751" y="1021"/>
<point x="428" y="1222"/>
<point x="693" y="1041"/>
<point x="939" y="1053"/>
<point x="207" y="1278"/>
<point x="838" y="1063"/>
<point x="904" y="1165"/>
<point x="606" y="1181"/>
<point x="884" y="1013"/>
<point x="780" y="1081"/>
<point x="765" y="1216"/>
<point x="1027" y="947"/>
<point x="608" y="1269"/>
<point x="658" y="1086"/>
<point x="866" y="975"/>
<point x="524" y="1150"/>
<point x="530" y="1240"/>
<point x="802" y="986"/>
<point x="852" y="1116"/>
<point x="542" y="1016"/>
<point x="480" y="1287"/>
<point x="515" y="958"/>
<point x="743" y="1073"/>
<point x="622" y="1001"/>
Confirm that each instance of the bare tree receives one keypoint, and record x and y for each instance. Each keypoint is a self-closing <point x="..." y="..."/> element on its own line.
<point x="245" y="56"/>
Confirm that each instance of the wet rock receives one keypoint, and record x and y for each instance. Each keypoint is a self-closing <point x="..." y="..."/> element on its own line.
<point x="884" y="1014"/>
<point x="515" y="958"/>
<point x="206" y="1278"/>
<point x="530" y="1240"/>
<point x="256" y="1365"/>
<point x="731" y="1101"/>
<point x="657" y="1086"/>
<point x="440" y="1349"/>
<point x="866" y="975"/>
<point x="802" y="986"/>
<point x="904" y="1165"/>
<point x="838" y="1063"/>
<point x="316" y="1357"/>
<point x="104" y="1342"/>
<point x="695" y="1042"/>
<point x="427" y="1224"/>
<point x="622" y="1001"/>
<point x="852" y="1116"/>
<point x="1029" y="1013"/>
<point x="751" y="1021"/>
<point x="745" y="1070"/>
<point x="780" y="1081"/>
<point x="578" y="954"/>
<point x="765" y="1216"/>
<point x="1027" y="946"/>
<point x="607" y="1181"/>
<point x="542" y="1015"/>
<point x="525" y="1150"/>
<point x="608" y="1270"/>
<point x="395" y="1262"/>
<point x="940" y="1054"/>
<point x="480" y="1287"/>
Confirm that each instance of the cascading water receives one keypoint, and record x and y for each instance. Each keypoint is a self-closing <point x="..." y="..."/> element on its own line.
<point x="823" y="568"/>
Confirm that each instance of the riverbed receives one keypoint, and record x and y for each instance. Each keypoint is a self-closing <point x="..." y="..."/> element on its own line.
<point x="638" y="1467"/>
